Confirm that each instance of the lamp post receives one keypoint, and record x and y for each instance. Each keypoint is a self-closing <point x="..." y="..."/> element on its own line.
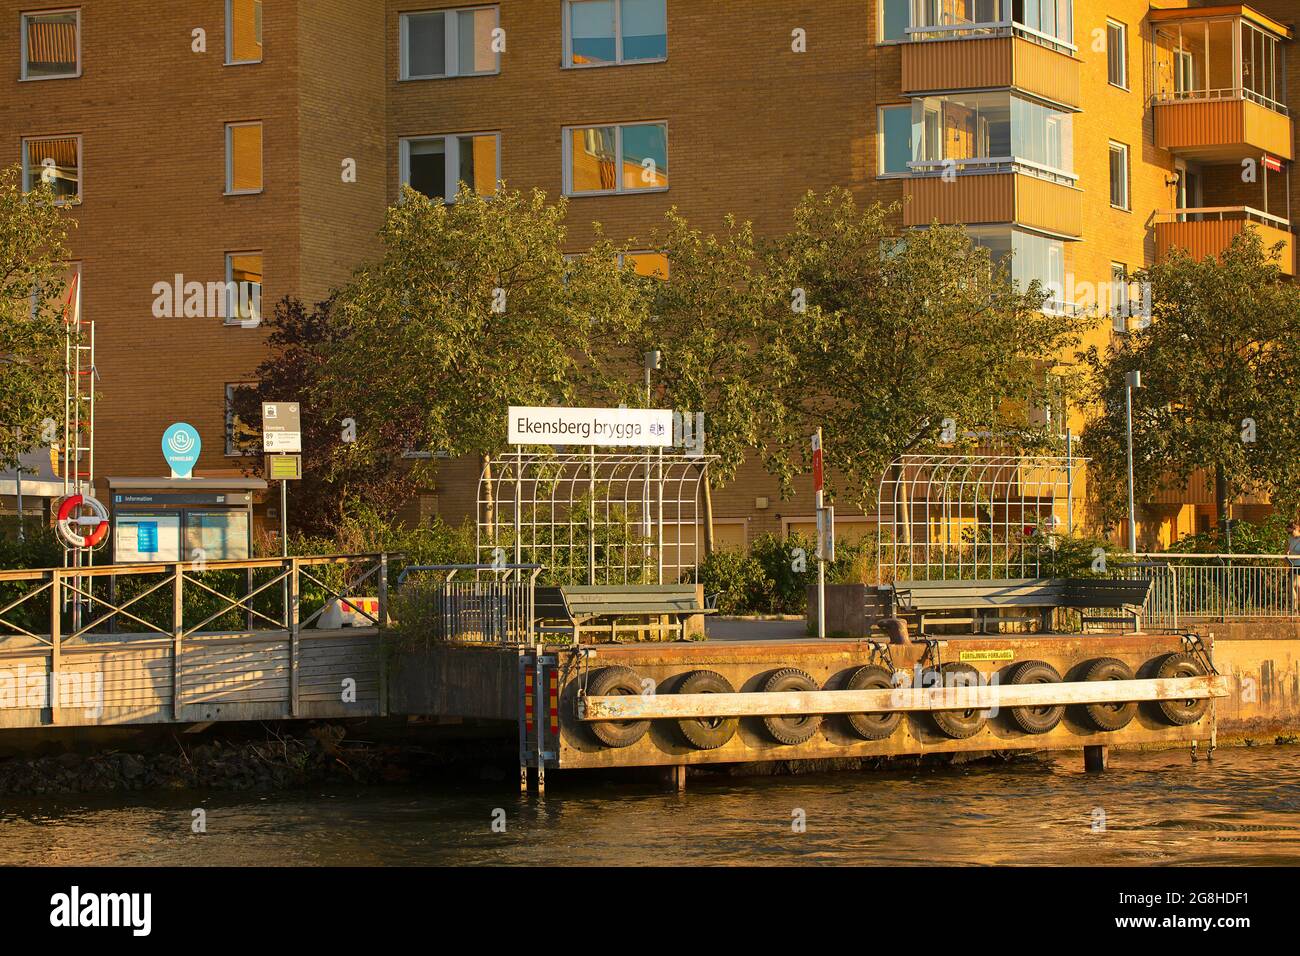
<point x="1132" y="380"/>
<point x="652" y="360"/>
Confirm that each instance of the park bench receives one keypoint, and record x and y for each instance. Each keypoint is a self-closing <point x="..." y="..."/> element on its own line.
<point x="979" y="602"/>
<point x="610" y="610"/>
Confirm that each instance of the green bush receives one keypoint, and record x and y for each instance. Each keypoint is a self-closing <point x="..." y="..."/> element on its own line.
<point x="737" y="579"/>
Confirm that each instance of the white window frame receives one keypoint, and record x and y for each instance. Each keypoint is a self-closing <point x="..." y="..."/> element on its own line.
<point x="230" y="41"/>
<point x="451" y="146"/>
<point x="880" y="24"/>
<point x="230" y="159"/>
<point x="232" y="294"/>
<point x="1123" y="58"/>
<point x="81" y="167"/>
<point x="619" y="60"/>
<point x="22" y="39"/>
<point x="566" y="134"/>
<point x="1111" y="147"/>
<point x="743" y="524"/>
<point x="451" y="45"/>
<point x="881" y="172"/>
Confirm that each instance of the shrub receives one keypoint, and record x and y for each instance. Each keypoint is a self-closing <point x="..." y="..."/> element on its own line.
<point x="737" y="579"/>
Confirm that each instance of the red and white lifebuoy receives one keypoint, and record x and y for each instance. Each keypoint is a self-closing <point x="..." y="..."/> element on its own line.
<point x="67" y="525"/>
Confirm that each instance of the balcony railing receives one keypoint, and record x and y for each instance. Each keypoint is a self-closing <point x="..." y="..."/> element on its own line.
<point x="1223" y="214"/>
<point x="992" y="165"/>
<point x="1001" y="28"/>
<point x="1230" y="93"/>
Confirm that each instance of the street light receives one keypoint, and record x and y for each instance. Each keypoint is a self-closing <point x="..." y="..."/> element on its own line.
<point x="1132" y="380"/>
<point x="652" y="359"/>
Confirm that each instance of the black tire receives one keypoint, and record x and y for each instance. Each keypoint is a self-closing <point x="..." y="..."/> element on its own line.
<point x="793" y="729"/>
<point x="707" y="733"/>
<point x="609" y="682"/>
<point x="875" y="726"/>
<point x="1035" y="720"/>
<point x="1178" y="712"/>
<point x="957" y="724"/>
<point x="1108" y="716"/>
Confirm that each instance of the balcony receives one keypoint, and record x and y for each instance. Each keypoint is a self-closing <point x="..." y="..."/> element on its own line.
<point x="1223" y="130"/>
<point x="998" y="193"/>
<point x="988" y="62"/>
<point x="1209" y="231"/>
<point x="1219" y="84"/>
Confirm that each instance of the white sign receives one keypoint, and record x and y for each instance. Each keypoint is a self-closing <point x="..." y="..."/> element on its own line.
<point x="620" y="427"/>
<point x="281" y="428"/>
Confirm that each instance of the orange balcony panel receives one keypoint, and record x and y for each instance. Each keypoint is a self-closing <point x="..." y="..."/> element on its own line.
<point x="983" y="63"/>
<point x="993" y="199"/>
<point x="1223" y="130"/>
<point x="1212" y="238"/>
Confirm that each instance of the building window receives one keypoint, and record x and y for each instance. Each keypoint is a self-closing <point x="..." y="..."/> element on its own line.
<point x="437" y="165"/>
<point x="55" y="160"/>
<point x="894" y="19"/>
<point x="1033" y="257"/>
<point x="1117" y="54"/>
<point x="244" y="288"/>
<point x="444" y="43"/>
<point x="615" y="159"/>
<point x="652" y="265"/>
<point x="607" y="32"/>
<point x="243" y="31"/>
<point x="241" y="437"/>
<point x="1047" y="22"/>
<point x="1119" y="175"/>
<point x="894" y="140"/>
<point x="983" y="130"/>
<point x="243" y="158"/>
<point x="51" y="45"/>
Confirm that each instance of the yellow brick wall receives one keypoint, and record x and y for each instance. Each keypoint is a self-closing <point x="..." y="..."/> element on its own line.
<point x="752" y="125"/>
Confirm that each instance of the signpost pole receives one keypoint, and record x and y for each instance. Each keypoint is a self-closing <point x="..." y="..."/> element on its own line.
<point x="818" y="485"/>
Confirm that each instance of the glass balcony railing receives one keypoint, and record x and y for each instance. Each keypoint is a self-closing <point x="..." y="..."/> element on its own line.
<point x="1046" y="22"/>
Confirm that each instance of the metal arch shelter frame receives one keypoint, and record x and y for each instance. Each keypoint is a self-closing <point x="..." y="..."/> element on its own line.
<point x="953" y="517"/>
<point x="593" y="517"/>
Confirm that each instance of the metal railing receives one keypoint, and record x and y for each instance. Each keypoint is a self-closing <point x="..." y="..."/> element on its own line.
<point x="1215" y="587"/>
<point x="46" y="609"/>
<point x="1221" y="214"/>
<point x="496" y="606"/>
<point x="1167" y="97"/>
<point x="999" y="28"/>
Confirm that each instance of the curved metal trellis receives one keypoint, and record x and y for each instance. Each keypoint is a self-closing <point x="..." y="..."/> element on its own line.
<point x="987" y="517"/>
<point x="593" y="517"/>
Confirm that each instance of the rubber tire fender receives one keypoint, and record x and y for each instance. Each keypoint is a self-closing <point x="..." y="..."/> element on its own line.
<point x="610" y="682"/>
<point x="1035" y="720"/>
<point x="794" y="728"/>
<point x="873" y="726"/>
<point x="1179" y="712"/>
<point x="1108" y="716"/>
<point x="957" y="724"/>
<point x="707" y="733"/>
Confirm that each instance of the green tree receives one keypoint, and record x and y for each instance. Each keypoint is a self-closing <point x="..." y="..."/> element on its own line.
<point x="472" y="308"/>
<point x="1220" y="364"/>
<point x="33" y="259"/>
<point x="902" y="332"/>
<point x="711" y="321"/>
<point x="334" y="480"/>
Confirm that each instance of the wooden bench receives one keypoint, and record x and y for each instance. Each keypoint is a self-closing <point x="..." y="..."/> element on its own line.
<point x="977" y="602"/>
<point x="604" y="610"/>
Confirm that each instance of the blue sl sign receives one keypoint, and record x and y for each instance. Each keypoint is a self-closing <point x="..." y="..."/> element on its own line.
<point x="181" y="445"/>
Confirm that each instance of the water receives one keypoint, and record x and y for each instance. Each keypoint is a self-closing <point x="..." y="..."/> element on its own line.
<point x="1159" y="809"/>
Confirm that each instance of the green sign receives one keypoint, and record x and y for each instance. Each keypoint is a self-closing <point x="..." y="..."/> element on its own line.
<point x="284" y="467"/>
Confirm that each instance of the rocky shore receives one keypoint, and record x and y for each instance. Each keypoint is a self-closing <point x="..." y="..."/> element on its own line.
<point x="276" y="762"/>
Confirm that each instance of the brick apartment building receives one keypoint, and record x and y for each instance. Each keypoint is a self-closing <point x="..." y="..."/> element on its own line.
<point x="215" y="140"/>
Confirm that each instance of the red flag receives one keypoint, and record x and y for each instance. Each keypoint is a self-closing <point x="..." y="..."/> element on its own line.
<point x="1272" y="164"/>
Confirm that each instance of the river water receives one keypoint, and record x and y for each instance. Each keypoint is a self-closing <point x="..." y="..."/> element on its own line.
<point x="1148" y="809"/>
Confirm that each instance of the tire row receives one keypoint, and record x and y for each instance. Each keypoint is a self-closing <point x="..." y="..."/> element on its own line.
<point x="710" y="733"/>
